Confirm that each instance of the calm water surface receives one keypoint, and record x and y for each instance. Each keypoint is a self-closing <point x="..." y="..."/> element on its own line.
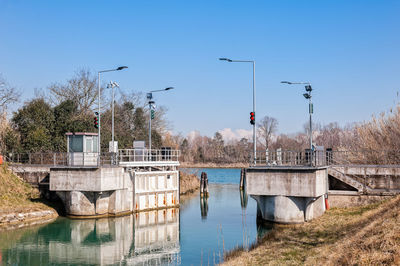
<point x="196" y="233"/>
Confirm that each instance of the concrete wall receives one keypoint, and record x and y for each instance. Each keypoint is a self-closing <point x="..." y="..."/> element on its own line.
<point x="288" y="194"/>
<point x="373" y="177"/>
<point x="285" y="181"/>
<point x="369" y="170"/>
<point x="87" y="179"/>
<point x="33" y="175"/>
<point x="345" y="201"/>
<point x="113" y="190"/>
<point x="288" y="210"/>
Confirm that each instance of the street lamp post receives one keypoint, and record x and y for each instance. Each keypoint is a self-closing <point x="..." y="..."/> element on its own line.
<point x="99" y="103"/>
<point x="112" y="85"/>
<point x="150" y="97"/>
<point x="254" y="101"/>
<point x="308" y="96"/>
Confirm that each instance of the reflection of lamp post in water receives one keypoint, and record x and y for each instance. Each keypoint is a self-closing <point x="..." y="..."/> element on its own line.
<point x="307" y="95"/>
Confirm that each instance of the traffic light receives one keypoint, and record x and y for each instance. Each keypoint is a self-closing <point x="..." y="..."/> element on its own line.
<point x="152" y="114"/>
<point x="252" y="118"/>
<point x="96" y="120"/>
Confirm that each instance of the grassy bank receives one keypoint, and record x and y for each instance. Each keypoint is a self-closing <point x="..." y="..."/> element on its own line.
<point x="16" y="196"/>
<point x="367" y="235"/>
<point x="188" y="183"/>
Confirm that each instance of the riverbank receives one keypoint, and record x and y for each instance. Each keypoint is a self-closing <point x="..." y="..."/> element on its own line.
<point x="20" y="203"/>
<point x="366" y="235"/>
<point x="213" y="165"/>
<point x="188" y="183"/>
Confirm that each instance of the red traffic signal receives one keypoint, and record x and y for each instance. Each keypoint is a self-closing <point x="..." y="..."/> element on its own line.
<point x="252" y="118"/>
<point x="96" y="120"/>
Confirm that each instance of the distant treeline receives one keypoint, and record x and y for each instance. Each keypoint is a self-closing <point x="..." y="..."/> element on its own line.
<point x="41" y="123"/>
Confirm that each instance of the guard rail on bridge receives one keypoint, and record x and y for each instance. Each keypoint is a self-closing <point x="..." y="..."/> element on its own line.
<point x="360" y="172"/>
<point x="123" y="157"/>
<point x="326" y="157"/>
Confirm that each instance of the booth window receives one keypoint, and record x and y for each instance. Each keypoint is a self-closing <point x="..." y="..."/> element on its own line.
<point x="75" y="143"/>
<point x="95" y="140"/>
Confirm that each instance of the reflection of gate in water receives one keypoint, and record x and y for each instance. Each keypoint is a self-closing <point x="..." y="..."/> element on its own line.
<point x="145" y="238"/>
<point x="156" y="237"/>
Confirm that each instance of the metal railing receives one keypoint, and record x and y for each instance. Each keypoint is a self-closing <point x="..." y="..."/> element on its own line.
<point x="290" y="158"/>
<point x="146" y="155"/>
<point x="326" y="157"/>
<point x="92" y="159"/>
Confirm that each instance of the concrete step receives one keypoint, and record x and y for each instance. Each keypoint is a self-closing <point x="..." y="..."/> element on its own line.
<point x="346" y="179"/>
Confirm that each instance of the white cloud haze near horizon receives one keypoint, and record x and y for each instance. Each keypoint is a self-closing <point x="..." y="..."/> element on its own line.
<point x="228" y="134"/>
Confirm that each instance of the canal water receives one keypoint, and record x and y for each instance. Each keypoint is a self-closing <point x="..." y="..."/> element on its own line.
<point x="198" y="233"/>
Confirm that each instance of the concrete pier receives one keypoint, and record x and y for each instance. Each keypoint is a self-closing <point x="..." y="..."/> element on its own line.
<point x="288" y="194"/>
<point x="102" y="191"/>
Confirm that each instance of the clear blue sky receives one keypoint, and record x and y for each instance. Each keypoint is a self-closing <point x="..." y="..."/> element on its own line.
<point x="348" y="50"/>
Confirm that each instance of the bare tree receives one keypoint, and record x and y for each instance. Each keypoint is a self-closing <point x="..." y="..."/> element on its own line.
<point x="8" y="94"/>
<point x="81" y="89"/>
<point x="267" y="126"/>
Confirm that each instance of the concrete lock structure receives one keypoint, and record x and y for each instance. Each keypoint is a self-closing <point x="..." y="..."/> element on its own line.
<point x="113" y="190"/>
<point x="134" y="180"/>
<point x="288" y="194"/>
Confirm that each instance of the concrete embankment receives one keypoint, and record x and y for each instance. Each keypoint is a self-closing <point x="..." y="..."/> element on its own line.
<point x="363" y="235"/>
<point x="18" y="220"/>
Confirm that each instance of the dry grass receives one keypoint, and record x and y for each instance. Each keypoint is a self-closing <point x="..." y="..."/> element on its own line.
<point x="188" y="183"/>
<point x="367" y="235"/>
<point x="16" y="195"/>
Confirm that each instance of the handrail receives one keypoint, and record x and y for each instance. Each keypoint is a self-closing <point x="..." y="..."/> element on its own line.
<point x="93" y="159"/>
<point x="326" y="157"/>
<point x="146" y="155"/>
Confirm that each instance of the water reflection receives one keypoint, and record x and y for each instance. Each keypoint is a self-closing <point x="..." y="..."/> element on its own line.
<point x="203" y="207"/>
<point x="243" y="198"/>
<point x="170" y="236"/>
<point x="146" y="238"/>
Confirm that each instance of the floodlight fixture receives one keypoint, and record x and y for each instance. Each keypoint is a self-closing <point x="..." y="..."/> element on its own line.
<point x="225" y="59"/>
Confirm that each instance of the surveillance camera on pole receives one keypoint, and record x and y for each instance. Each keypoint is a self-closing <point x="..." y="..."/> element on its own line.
<point x="310" y="110"/>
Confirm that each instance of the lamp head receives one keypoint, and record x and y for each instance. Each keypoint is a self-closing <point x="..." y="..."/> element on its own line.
<point x="121" y="67"/>
<point x="169" y="88"/>
<point x="308" y="88"/>
<point x="225" y="59"/>
<point x="286" y="82"/>
<point x="307" y="96"/>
